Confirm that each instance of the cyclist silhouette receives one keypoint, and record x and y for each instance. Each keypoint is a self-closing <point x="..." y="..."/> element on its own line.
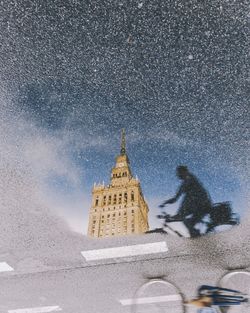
<point x="196" y="202"/>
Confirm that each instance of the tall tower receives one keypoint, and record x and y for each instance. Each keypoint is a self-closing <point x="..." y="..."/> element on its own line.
<point x="118" y="208"/>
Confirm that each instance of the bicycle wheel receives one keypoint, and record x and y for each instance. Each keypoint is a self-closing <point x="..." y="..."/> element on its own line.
<point x="240" y="281"/>
<point x="158" y="296"/>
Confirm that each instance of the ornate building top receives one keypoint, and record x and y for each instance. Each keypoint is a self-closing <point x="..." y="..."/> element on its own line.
<point x="118" y="208"/>
<point x="123" y="143"/>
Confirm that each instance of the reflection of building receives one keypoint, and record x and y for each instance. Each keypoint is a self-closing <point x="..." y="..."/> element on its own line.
<point x="119" y="208"/>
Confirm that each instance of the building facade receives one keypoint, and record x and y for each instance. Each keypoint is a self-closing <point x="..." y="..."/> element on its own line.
<point x="118" y="208"/>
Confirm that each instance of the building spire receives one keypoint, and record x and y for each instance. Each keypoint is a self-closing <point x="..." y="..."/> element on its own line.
<point x="123" y="143"/>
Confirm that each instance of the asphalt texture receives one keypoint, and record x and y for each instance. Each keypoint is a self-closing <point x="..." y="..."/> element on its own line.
<point x="49" y="269"/>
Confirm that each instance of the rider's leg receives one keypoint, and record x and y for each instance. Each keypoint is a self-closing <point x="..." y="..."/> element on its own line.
<point x="191" y="222"/>
<point x="184" y="210"/>
<point x="190" y="226"/>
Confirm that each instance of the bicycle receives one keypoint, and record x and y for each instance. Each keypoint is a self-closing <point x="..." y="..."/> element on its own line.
<point x="224" y="300"/>
<point x="220" y="215"/>
<point x="240" y="280"/>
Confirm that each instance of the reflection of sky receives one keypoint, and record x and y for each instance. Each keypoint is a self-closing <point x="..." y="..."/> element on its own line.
<point x="156" y="170"/>
<point x="178" y="87"/>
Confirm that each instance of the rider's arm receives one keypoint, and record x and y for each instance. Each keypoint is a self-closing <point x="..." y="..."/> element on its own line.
<point x="175" y="198"/>
<point x="201" y="302"/>
<point x="195" y="302"/>
<point x="179" y="193"/>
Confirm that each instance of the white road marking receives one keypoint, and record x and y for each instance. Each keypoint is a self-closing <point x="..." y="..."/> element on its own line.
<point x="149" y="300"/>
<point x="4" y="267"/>
<point x="44" y="309"/>
<point x="125" y="251"/>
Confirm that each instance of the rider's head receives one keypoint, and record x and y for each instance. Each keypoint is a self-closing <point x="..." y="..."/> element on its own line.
<point x="182" y="171"/>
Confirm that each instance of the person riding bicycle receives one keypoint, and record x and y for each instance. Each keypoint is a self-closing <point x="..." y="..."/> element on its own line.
<point x="196" y="202"/>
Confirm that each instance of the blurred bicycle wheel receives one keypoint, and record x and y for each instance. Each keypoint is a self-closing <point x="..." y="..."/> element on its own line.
<point x="158" y="296"/>
<point x="240" y="281"/>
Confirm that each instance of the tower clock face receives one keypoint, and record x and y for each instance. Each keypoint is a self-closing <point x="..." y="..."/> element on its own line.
<point x="121" y="164"/>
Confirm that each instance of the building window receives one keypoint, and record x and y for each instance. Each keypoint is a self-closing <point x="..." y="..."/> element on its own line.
<point x="104" y="200"/>
<point x="114" y="200"/>
<point x="109" y="201"/>
<point x="132" y="196"/>
<point x="133" y="211"/>
<point x="96" y="201"/>
<point x="125" y="197"/>
<point x="120" y="198"/>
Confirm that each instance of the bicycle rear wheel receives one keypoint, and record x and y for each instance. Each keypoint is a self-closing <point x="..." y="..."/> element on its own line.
<point x="240" y="281"/>
<point x="158" y="296"/>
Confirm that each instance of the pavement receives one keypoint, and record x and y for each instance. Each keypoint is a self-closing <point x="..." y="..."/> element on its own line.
<point x="50" y="271"/>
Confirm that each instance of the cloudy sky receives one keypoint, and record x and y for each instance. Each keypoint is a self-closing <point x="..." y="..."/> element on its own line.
<point x="172" y="73"/>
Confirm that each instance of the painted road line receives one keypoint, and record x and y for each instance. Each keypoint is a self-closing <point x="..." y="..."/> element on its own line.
<point x="125" y="251"/>
<point x="4" y="267"/>
<point x="44" y="309"/>
<point x="149" y="300"/>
